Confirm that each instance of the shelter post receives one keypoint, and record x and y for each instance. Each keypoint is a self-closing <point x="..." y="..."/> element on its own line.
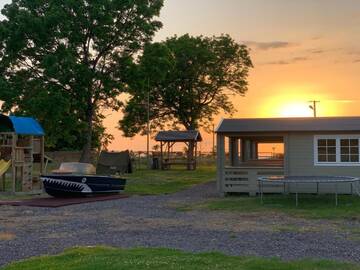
<point x="161" y="155"/>
<point x="196" y="155"/>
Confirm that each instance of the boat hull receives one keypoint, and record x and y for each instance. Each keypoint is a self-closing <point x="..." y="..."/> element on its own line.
<point x="59" y="185"/>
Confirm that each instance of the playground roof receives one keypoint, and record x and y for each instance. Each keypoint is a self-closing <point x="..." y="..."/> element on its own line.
<point x="178" y="136"/>
<point x="21" y="125"/>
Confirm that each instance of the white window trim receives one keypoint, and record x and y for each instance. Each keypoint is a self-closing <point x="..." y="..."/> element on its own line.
<point x="338" y="163"/>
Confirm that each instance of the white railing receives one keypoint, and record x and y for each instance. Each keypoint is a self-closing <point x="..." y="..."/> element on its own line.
<point x="245" y="179"/>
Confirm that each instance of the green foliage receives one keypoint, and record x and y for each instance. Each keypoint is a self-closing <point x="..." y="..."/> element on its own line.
<point x="65" y="61"/>
<point x="154" y="182"/>
<point x="310" y="206"/>
<point x="190" y="80"/>
<point x="144" y="258"/>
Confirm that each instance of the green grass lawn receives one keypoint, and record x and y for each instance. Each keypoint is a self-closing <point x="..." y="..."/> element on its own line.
<point x="310" y="206"/>
<point x="153" y="182"/>
<point x="111" y="258"/>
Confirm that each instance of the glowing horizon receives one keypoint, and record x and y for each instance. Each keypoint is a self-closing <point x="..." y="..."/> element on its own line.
<point x="301" y="50"/>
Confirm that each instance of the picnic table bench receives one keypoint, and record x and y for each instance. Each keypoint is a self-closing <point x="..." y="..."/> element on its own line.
<point x="166" y="164"/>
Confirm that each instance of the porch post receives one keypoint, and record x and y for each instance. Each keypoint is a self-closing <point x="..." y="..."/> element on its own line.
<point x="253" y="153"/>
<point x="220" y="163"/>
<point x="286" y="155"/>
<point x="247" y="150"/>
<point x="230" y="147"/>
<point x="242" y="149"/>
<point x="234" y="151"/>
<point x="256" y="150"/>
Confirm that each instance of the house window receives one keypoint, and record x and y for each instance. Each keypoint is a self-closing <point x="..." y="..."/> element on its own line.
<point x="349" y="150"/>
<point x="326" y="150"/>
<point x="336" y="150"/>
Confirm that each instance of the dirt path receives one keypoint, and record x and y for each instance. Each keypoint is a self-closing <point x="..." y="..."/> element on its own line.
<point x="154" y="221"/>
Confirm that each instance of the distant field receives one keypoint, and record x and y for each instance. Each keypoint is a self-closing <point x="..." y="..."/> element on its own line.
<point x="138" y="259"/>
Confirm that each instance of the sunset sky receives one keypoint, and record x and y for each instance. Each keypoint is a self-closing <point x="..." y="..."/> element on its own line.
<point x="302" y="50"/>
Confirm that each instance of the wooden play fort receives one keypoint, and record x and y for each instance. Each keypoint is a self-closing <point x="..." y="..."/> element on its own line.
<point x="21" y="138"/>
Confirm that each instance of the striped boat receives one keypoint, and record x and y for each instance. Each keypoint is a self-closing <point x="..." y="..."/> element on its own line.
<point x="69" y="183"/>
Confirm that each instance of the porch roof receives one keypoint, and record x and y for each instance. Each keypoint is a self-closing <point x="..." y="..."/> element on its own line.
<point x="295" y="124"/>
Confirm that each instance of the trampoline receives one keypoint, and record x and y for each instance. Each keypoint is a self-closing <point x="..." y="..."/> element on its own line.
<point x="288" y="181"/>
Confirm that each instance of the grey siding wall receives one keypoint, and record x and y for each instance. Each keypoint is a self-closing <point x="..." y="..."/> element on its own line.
<point x="301" y="162"/>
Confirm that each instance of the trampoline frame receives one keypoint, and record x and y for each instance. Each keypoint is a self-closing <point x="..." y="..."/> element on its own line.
<point x="336" y="180"/>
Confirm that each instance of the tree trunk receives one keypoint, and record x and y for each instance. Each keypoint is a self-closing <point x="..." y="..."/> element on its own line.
<point x="86" y="151"/>
<point x="190" y="156"/>
<point x="191" y="148"/>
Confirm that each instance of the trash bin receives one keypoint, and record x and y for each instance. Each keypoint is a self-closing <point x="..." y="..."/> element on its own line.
<point x="155" y="163"/>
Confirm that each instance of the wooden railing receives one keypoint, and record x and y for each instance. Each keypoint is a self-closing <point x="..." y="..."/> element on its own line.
<point x="245" y="179"/>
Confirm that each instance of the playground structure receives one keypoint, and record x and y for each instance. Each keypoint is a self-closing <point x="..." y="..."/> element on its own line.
<point x="167" y="140"/>
<point x="20" y="139"/>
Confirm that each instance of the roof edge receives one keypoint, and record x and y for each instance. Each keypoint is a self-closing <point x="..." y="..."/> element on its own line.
<point x="219" y="124"/>
<point x="291" y="118"/>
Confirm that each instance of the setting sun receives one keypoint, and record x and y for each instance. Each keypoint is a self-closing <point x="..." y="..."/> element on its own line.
<point x="294" y="101"/>
<point x="296" y="110"/>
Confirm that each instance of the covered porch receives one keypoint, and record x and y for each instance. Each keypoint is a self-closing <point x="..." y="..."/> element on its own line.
<point x="243" y="158"/>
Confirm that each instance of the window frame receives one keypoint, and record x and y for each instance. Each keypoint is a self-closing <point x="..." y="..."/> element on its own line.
<point x="337" y="138"/>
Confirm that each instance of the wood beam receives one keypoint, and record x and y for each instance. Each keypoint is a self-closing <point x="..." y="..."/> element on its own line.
<point x="161" y="156"/>
<point x="220" y="162"/>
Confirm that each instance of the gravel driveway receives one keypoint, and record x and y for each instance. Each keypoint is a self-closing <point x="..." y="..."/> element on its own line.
<point x="154" y="221"/>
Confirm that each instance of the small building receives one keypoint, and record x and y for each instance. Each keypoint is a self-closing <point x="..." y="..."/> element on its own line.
<point x="311" y="147"/>
<point x="112" y="163"/>
<point x="168" y="139"/>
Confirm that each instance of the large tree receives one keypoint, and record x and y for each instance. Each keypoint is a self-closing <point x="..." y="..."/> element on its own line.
<point x="66" y="61"/>
<point x="188" y="80"/>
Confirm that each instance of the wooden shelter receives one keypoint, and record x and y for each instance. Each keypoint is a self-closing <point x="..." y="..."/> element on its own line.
<point x="167" y="140"/>
<point x="20" y="139"/>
